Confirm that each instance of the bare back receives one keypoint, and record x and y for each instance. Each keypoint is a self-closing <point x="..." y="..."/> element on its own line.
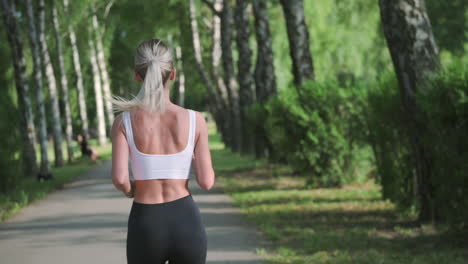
<point x="163" y="134"/>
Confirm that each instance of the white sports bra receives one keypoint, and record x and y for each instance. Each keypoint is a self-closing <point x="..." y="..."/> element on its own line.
<point x="161" y="166"/>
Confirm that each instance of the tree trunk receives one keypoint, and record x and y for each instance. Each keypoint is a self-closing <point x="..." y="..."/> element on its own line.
<point x="217" y="107"/>
<point x="298" y="36"/>
<point x="104" y="74"/>
<point x="22" y="89"/>
<point x="64" y="85"/>
<point x="229" y="76"/>
<point x="49" y="71"/>
<point x="79" y="78"/>
<point x="180" y="71"/>
<point x="414" y="53"/>
<point x="101" y="122"/>
<point x="265" y="80"/>
<point x="244" y="74"/>
<point x="198" y="57"/>
<point x="216" y="52"/>
<point x="226" y="131"/>
<point x="37" y="71"/>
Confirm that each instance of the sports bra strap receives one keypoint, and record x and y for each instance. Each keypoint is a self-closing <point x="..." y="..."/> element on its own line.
<point x="193" y="121"/>
<point x="128" y="128"/>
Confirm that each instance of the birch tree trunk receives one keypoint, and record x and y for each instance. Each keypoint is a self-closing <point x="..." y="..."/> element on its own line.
<point x="226" y="131"/>
<point x="79" y="78"/>
<point x="27" y="128"/>
<point x="101" y="129"/>
<point x="181" y="77"/>
<point x="298" y="37"/>
<point x="216" y="52"/>
<point x="229" y="76"/>
<point x="265" y="80"/>
<point x="217" y="106"/>
<point x="244" y="74"/>
<point x="63" y="84"/>
<point x="49" y="71"/>
<point x="37" y="71"/>
<point x="104" y="74"/>
<point x="410" y="39"/>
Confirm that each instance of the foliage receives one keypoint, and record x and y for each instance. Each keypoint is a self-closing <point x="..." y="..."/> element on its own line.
<point x="388" y="139"/>
<point x="346" y="41"/>
<point x="446" y="106"/>
<point x="10" y="161"/>
<point x="449" y="20"/>
<point x="344" y="225"/>
<point x="27" y="190"/>
<point x="313" y="128"/>
<point x="445" y="109"/>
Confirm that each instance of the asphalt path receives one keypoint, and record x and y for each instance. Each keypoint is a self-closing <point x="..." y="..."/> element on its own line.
<point x="86" y="222"/>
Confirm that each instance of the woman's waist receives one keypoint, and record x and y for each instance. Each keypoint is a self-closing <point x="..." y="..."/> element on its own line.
<point x="160" y="191"/>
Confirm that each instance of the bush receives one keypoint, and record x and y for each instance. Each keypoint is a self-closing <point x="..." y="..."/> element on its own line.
<point x="313" y="128"/>
<point x="10" y="161"/>
<point x="446" y="106"/>
<point x="389" y="141"/>
<point x="445" y="117"/>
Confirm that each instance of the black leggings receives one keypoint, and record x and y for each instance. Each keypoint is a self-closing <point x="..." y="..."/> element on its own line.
<point x="171" y="231"/>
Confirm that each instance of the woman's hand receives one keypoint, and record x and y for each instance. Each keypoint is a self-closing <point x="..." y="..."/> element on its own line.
<point x="131" y="193"/>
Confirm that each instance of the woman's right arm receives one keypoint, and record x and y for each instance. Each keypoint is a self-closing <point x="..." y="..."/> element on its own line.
<point x="202" y="157"/>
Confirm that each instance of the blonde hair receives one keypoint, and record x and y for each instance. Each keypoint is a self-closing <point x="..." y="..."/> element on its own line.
<point x="153" y="63"/>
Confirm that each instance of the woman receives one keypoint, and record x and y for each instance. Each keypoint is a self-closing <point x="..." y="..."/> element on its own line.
<point x="164" y="143"/>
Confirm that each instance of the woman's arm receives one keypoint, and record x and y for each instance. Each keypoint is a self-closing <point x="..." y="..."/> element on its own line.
<point x="120" y="152"/>
<point x="202" y="155"/>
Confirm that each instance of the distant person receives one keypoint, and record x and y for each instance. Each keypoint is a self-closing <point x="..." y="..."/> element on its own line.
<point x="86" y="150"/>
<point x="164" y="143"/>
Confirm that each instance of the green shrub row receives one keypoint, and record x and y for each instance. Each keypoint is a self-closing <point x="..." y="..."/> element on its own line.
<point x="323" y="129"/>
<point x="445" y="119"/>
<point x="315" y="129"/>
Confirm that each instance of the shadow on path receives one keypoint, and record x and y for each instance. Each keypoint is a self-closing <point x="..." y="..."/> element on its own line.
<point x="86" y="222"/>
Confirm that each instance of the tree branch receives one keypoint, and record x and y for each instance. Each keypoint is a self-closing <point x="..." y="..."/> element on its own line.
<point x="212" y="7"/>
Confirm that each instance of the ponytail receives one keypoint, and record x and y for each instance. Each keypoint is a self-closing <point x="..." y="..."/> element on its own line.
<point x="153" y="62"/>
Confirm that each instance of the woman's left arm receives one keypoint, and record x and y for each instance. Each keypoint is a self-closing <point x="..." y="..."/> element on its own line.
<point x="120" y="152"/>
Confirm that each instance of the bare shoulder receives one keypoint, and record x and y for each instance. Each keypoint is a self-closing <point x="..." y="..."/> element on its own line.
<point x="201" y="121"/>
<point x="117" y="126"/>
<point x="201" y="127"/>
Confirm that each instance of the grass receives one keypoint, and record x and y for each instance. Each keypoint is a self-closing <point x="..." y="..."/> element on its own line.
<point x="28" y="190"/>
<point x="351" y="224"/>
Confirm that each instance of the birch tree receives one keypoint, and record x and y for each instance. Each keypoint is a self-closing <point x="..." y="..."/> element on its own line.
<point x="298" y="36"/>
<point x="410" y="39"/>
<point x="101" y="122"/>
<point x="101" y="61"/>
<point x="217" y="105"/>
<point x="229" y="75"/>
<point x="265" y="80"/>
<point x="216" y="51"/>
<point x="38" y="81"/>
<point x="181" y="77"/>
<point x="244" y="74"/>
<point x="27" y="128"/>
<point x="63" y="84"/>
<point x="52" y="85"/>
<point x="79" y="77"/>
<point x="221" y="89"/>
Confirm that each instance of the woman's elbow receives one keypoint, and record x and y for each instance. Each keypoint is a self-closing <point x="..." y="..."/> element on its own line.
<point x="118" y="181"/>
<point x="207" y="183"/>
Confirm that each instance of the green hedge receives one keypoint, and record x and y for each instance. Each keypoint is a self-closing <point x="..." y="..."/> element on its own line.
<point x="445" y="108"/>
<point x="315" y="129"/>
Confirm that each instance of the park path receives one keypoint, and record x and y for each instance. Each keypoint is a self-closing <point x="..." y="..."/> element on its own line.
<point x="86" y="222"/>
